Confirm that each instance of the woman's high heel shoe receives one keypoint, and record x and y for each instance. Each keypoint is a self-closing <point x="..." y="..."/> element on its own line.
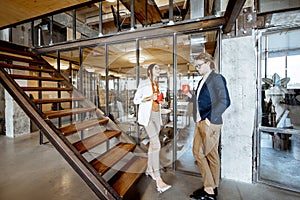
<point x="151" y="175"/>
<point x="161" y="185"/>
<point x="163" y="188"/>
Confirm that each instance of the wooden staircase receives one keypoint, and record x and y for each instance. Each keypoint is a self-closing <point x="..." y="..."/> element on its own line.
<point x="98" y="151"/>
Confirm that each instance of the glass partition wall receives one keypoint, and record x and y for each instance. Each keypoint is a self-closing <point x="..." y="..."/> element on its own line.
<point x="108" y="76"/>
<point x="279" y="110"/>
<point x="122" y="85"/>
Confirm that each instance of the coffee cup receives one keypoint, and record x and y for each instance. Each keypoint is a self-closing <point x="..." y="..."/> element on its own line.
<point x="185" y="88"/>
<point x="160" y="97"/>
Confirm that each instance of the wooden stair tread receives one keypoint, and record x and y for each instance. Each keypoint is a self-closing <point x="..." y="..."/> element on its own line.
<point x="67" y="112"/>
<point x="58" y="100"/>
<point x="132" y="170"/>
<point x="21" y="59"/>
<point x="94" y="140"/>
<point x="79" y="126"/>
<point x="104" y="162"/>
<point x="27" y="77"/>
<point x="46" y="89"/>
<point x="128" y="175"/>
<point x="16" y="51"/>
<point x="29" y="68"/>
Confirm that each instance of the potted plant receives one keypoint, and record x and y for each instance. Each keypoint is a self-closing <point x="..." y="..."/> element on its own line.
<point x="273" y="91"/>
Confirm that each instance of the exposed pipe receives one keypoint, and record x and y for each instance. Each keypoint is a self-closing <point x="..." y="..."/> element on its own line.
<point x="132" y="14"/>
<point x="174" y="100"/>
<point x="171" y="14"/>
<point x="74" y="24"/>
<point x="100" y="19"/>
<point x="39" y="36"/>
<point x="51" y="30"/>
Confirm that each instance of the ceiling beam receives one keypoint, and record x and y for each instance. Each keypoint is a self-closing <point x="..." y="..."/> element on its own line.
<point x="232" y="12"/>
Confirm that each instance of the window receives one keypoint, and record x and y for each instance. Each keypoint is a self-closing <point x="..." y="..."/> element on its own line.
<point x="272" y="5"/>
<point x="278" y="133"/>
<point x="293" y="71"/>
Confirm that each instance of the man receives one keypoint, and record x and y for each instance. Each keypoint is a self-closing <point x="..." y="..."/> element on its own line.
<point x="210" y="100"/>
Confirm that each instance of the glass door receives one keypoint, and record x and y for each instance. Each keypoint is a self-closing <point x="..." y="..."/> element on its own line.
<point x="279" y="110"/>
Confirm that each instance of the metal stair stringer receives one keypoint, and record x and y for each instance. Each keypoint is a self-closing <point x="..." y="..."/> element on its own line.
<point x="100" y="187"/>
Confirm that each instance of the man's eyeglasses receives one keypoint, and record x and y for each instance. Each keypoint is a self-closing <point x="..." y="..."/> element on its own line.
<point x="199" y="65"/>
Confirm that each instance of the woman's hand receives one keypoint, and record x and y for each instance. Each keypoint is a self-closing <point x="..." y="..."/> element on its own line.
<point x="154" y="97"/>
<point x="147" y="98"/>
<point x="185" y="88"/>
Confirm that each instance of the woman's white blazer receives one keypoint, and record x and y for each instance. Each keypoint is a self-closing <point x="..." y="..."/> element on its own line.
<point x="144" y="112"/>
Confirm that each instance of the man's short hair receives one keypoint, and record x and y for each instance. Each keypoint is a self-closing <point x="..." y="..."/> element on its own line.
<point x="206" y="58"/>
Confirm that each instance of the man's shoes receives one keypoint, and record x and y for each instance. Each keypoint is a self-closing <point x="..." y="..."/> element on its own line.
<point x="200" y="191"/>
<point x="216" y="191"/>
<point x="204" y="197"/>
<point x="200" y="194"/>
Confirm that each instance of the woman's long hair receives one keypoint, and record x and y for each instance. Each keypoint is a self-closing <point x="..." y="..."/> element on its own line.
<point x="150" y="71"/>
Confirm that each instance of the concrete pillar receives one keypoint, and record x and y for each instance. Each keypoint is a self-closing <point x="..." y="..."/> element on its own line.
<point x="9" y="115"/>
<point x="16" y="121"/>
<point x="4" y="35"/>
<point x="2" y="111"/>
<point x="238" y="63"/>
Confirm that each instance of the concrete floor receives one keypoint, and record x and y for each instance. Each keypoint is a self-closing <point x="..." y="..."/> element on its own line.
<point x="30" y="171"/>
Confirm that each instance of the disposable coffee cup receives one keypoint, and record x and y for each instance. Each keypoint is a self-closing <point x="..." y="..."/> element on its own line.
<point x="185" y="88"/>
<point x="160" y="97"/>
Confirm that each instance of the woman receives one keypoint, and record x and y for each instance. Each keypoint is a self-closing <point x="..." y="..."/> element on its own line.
<point x="150" y="117"/>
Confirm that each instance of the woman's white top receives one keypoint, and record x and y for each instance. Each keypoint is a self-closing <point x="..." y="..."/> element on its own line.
<point x="144" y="112"/>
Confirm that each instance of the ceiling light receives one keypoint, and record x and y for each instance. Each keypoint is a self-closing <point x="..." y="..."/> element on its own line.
<point x="132" y="59"/>
<point x="64" y="66"/>
<point x="111" y="0"/>
<point x="44" y="27"/>
<point x="198" y="40"/>
<point x="91" y="70"/>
